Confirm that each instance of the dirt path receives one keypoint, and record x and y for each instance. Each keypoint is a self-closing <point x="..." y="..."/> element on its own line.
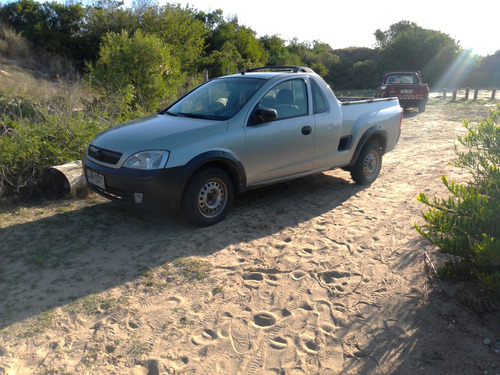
<point x="315" y="276"/>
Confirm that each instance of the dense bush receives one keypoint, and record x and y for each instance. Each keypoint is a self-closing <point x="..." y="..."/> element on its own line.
<point x="35" y="139"/>
<point x="45" y="123"/>
<point x="466" y="225"/>
<point x="139" y="68"/>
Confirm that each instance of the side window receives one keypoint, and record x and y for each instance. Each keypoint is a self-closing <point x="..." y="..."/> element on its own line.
<point x="319" y="100"/>
<point x="288" y="98"/>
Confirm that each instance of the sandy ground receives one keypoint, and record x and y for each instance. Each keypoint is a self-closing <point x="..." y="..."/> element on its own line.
<point x="314" y="276"/>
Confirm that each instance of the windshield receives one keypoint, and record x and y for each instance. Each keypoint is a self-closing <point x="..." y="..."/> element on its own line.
<point x="402" y="78"/>
<point x="219" y="99"/>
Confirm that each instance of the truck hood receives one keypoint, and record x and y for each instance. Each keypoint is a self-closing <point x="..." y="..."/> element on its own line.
<point x="156" y="132"/>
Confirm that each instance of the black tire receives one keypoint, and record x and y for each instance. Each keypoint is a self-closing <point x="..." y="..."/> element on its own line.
<point x="208" y="196"/>
<point x="421" y="107"/>
<point x="368" y="165"/>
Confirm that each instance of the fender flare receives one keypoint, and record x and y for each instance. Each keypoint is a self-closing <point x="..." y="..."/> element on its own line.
<point x="376" y="132"/>
<point x="222" y="159"/>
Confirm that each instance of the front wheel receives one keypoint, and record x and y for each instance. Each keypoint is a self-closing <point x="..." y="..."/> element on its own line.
<point x="367" y="167"/>
<point x="207" y="197"/>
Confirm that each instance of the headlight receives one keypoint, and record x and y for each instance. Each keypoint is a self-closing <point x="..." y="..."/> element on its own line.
<point x="151" y="159"/>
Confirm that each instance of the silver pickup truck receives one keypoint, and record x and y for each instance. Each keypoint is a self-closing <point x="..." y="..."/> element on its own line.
<point x="237" y="132"/>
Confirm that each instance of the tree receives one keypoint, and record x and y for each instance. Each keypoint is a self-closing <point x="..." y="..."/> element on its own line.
<point x="385" y="38"/>
<point x="102" y="17"/>
<point x="364" y="74"/>
<point x="211" y="20"/>
<point x="276" y="51"/>
<point x="488" y="71"/>
<point x="227" y="57"/>
<point x="52" y="27"/>
<point x="410" y="47"/>
<point x="180" y="28"/>
<point x="229" y="35"/>
<point x="139" y="68"/>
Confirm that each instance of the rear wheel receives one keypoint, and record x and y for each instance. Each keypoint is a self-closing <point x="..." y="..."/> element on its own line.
<point x="208" y="196"/>
<point x="367" y="167"/>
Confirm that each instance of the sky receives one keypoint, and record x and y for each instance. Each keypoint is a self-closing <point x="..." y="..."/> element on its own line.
<point x="475" y="24"/>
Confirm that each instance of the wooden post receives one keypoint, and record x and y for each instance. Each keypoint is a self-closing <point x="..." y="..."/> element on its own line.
<point x="444" y="94"/>
<point x="466" y="94"/>
<point x="493" y="93"/>
<point x="206" y="75"/>
<point x="454" y="97"/>
<point x="475" y="94"/>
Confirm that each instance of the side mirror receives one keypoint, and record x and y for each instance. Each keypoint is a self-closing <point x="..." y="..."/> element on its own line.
<point x="264" y="115"/>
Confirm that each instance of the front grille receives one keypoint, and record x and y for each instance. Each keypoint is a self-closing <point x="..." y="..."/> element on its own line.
<point x="106" y="156"/>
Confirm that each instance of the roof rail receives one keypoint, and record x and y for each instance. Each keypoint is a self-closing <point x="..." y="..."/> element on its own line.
<point x="280" y="68"/>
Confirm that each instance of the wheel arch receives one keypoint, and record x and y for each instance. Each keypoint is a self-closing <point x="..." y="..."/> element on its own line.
<point x="377" y="135"/>
<point x="221" y="159"/>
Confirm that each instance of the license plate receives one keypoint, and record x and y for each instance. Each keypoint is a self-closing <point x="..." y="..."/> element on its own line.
<point x="406" y="91"/>
<point x="96" y="179"/>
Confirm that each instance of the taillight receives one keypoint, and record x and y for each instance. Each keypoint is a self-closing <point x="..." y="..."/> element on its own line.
<point x="401" y="120"/>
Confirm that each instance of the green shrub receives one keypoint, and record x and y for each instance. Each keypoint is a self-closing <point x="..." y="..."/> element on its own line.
<point x="47" y="123"/>
<point x="466" y="225"/>
<point x="28" y="148"/>
<point x="138" y="68"/>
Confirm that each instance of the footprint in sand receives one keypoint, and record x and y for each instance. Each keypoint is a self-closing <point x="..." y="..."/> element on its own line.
<point x="298" y="274"/>
<point x="133" y="324"/>
<point x="308" y="344"/>
<point x="241" y="334"/>
<point x="305" y="252"/>
<point x="326" y="321"/>
<point x="312" y="247"/>
<point x="254" y="276"/>
<point x="264" y="320"/>
<point x="257" y="277"/>
<point x="224" y="327"/>
<point x="203" y="338"/>
<point x="341" y="281"/>
<point x="278" y="343"/>
<point x="173" y="302"/>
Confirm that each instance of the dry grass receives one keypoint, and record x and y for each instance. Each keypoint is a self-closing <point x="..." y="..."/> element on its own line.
<point x="12" y="44"/>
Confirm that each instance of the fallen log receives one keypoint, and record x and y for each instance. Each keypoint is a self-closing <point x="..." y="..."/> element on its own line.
<point x="65" y="181"/>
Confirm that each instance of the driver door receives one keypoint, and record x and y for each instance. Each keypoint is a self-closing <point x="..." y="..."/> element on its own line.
<point x="283" y="147"/>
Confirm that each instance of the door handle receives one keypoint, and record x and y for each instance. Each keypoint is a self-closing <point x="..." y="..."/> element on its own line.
<point x="306" y="130"/>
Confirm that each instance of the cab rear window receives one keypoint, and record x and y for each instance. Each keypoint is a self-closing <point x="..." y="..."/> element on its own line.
<point x="402" y="79"/>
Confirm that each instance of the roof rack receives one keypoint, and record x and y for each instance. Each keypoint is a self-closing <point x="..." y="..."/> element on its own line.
<point x="280" y="68"/>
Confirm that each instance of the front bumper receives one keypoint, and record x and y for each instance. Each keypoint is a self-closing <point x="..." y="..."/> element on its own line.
<point x="149" y="189"/>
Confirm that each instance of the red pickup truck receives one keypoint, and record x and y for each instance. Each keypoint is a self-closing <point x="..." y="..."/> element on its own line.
<point x="407" y="87"/>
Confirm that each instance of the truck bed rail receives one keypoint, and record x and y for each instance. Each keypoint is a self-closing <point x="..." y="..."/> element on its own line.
<point x="349" y="101"/>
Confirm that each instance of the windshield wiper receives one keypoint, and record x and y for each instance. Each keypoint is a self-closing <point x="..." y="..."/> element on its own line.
<point x="193" y="115"/>
<point x="169" y="113"/>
